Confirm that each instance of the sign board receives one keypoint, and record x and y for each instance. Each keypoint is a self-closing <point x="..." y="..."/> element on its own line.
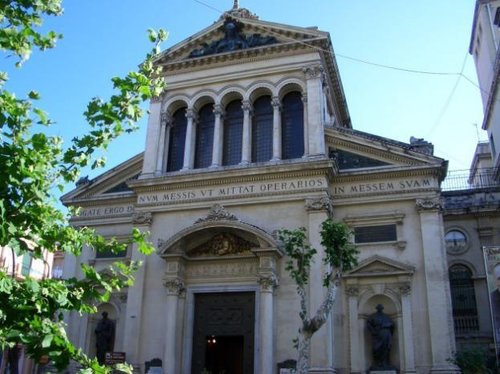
<point x="492" y="266"/>
<point x="113" y="358"/>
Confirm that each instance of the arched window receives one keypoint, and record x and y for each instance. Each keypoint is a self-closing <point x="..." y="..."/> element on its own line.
<point x="262" y="130"/>
<point x="233" y="132"/>
<point x="463" y="298"/>
<point x="204" y="137"/>
<point x="177" y="141"/>
<point x="292" y="126"/>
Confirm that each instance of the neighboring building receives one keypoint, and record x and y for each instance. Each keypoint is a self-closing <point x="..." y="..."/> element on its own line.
<point x="472" y="223"/>
<point x="20" y="267"/>
<point x="253" y="134"/>
<point x="484" y="46"/>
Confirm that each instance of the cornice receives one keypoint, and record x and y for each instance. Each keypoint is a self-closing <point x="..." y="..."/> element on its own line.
<point x="234" y="58"/>
<point x="356" y="175"/>
<point x="103" y="200"/>
<point x="202" y="178"/>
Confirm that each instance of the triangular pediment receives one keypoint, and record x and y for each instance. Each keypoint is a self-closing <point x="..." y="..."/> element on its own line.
<point x="354" y="150"/>
<point x="379" y="266"/>
<point x="230" y="35"/>
<point x="111" y="184"/>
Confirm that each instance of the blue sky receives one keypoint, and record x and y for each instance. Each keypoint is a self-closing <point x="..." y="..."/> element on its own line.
<point x="105" y="38"/>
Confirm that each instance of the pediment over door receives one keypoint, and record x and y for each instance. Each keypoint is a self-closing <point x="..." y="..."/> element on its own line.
<point x="378" y="266"/>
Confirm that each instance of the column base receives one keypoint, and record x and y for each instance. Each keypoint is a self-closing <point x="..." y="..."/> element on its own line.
<point x="445" y="369"/>
<point x="320" y="370"/>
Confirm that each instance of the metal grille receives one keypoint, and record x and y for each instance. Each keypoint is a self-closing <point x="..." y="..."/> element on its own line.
<point x="374" y="234"/>
<point x="463" y="299"/>
<point x="464" y="180"/>
<point x="233" y="132"/>
<point x="262" y="130"/>
<point x="204" y="137"/>
<point x="177" y="141"/>
<point x="292" y="126"/>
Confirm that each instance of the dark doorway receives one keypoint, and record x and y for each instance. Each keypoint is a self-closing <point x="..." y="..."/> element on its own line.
<point x="223" y="335"/>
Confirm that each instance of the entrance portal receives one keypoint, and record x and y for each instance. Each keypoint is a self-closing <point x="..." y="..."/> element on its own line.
<point x="223" y="334"/>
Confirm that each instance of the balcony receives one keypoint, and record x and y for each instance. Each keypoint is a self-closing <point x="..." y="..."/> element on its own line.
<point x="458" y="180"/>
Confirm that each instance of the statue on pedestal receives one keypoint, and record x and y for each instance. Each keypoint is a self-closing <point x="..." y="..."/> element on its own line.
<point x="381" y="327"/>
<point x="104" y="337"/>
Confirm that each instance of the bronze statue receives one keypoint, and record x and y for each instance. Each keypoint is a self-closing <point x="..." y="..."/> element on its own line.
<point x="381" y="326"/>
<point x="104" y="337"/>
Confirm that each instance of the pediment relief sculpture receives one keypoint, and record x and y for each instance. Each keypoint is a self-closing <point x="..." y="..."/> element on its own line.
<point x="223" y="244"/>
<point x="233" y="40"/>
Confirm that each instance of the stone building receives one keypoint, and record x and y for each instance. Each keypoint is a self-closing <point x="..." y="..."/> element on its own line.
<point x="253" y="134"/>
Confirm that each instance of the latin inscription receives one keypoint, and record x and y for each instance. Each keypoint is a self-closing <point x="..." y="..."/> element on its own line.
<point x="106" y="211"/>
<point x="385" y="186"/>
<point x="230" y="191"/>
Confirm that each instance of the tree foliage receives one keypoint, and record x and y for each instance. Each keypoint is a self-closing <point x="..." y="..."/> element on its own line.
<point x="32" y="164"/>
<point x="340" y="255"/>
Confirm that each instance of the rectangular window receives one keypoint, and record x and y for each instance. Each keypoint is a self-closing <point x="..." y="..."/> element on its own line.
<point x="110" y="254"/>
<point x="375" y="234"/>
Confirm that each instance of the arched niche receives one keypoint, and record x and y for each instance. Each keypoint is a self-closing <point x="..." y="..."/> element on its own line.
<point x="220" y="249"/>
<point x="114" y="312"/>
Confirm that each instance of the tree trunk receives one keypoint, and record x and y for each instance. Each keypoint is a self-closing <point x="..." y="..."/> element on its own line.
<point x="303" y="360"/>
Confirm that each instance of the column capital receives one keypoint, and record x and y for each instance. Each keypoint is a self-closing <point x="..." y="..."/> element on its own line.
<point x="165" y="118"/>
<point x="218" y="110"/>
<point x="352" y="291"/>
<point x="304" y="98"/>
<point x="246" y="106"/>
<point x="142" y="218"/>
<point x="191" y="114"/>
<point x="268" y="282"/>
<point x="428" y="205"/>
<point x="276" y="102"/>
<point x="405" y="289"/>
<point x="321" y="204"/>
<point x="174" y="286"/>
<point x="314" y="71"/>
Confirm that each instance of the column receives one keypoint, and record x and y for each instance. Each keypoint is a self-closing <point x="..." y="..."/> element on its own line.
<point x="442" y="337"/>
<point x="267" y="285"/>
<point x="321" y="356"/>
<point x="409" y="354"/>
<point x="306" y="126"/>
<point x="141" y="220"/>
<point x="352" y="293"/>
<point x="246" y="149"/>
<point x="190" y="140"/>
<point x="218" y="137"/>
<point x="315" y="131"/>
<point x="276" y="129"/>
<point x="165" y="122"/>
<point x="152" y="135"/>
<point x="171" y="358"/>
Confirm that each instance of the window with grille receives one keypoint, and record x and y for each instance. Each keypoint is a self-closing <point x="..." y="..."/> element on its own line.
<point x="177" y="140"/>
<point x="262" y="130"/>
<point x="204" y="137"/>
<point x="233" y="132"/>
<point x="463" y="298"/>
<point x="374" y="234"/>
<point x="292" y="126"/>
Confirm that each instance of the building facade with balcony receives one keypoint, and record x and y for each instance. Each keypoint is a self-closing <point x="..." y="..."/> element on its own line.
<point x="253" y="134"/>
<point x="484" y="47"/>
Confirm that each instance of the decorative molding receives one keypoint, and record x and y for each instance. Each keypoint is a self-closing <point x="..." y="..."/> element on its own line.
<point x="429" y="204"/>
<point x="352" y="291"/>
<point x="242" y="268"/>
<point x="319" y="204"/>
<point x="276" y="102"/>
<point x="142" y="218"/>
<point x="174" y="286"/>
<point x="268" y="282"/>
<point x="405" y="289"/>
<point x="223" y="244"/>
<point x="217" y="213"/>
<point x="247" y="106"/>
<point x="218" y="110"/>
<point x="313" y="71"/>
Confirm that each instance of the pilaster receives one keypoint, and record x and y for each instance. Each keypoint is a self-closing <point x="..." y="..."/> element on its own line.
<point x="315" y="131"/>
<point x="321" y="355"/>
<point x="165" y="123"/>
<point x="171" y="358"/>
<point x="142" y="221"/>
<point x="152" y="137"/>
<point x="437" y="285"/>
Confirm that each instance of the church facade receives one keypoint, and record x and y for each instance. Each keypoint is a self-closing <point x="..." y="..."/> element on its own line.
<point x="252" y="135"/>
